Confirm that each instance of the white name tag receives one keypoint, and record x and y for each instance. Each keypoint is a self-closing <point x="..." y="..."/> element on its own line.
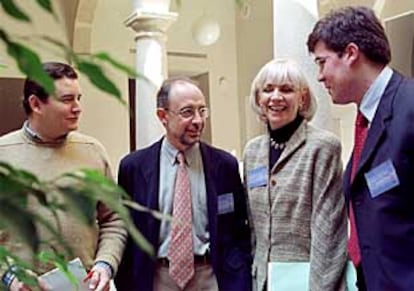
<point x="257" y="177"/>
<point x="382" y="178"/>
<point x="225" y="203"/>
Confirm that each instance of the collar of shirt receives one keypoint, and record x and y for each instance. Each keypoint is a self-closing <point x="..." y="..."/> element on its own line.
<point x="35" y="137"/>
<point x="372" y="97"/>
<point x="171" y="152"/>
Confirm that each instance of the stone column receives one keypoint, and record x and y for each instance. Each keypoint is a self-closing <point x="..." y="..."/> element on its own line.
<point x="150" y="21"/>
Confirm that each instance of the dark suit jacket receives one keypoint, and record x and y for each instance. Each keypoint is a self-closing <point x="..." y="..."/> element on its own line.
<point x="385" y="224"/>
<point x="229" y="233"/>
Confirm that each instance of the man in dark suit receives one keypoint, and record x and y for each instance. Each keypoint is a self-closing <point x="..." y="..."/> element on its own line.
<point x="352" y="51"/>
<point x="220" y="233"/>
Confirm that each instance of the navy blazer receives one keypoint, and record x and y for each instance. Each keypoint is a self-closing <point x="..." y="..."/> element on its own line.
<point x="385" y="223"/>
<point x="229" y="233"/>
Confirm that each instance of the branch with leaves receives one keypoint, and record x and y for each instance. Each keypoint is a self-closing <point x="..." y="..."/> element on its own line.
<point x="86" y="188"/>
<point x="29" y="63"/>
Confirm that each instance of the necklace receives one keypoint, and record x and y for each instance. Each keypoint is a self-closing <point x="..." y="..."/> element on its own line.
<point x="277" y="145"/>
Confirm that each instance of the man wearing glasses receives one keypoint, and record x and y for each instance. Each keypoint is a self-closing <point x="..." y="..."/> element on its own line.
<point x="206" y="244"/>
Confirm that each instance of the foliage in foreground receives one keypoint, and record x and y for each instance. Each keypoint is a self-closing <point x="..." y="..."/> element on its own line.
<point x="87" y="187"/>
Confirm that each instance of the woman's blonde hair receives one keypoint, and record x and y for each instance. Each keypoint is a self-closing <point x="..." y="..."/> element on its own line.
<point x="279" y="72"/>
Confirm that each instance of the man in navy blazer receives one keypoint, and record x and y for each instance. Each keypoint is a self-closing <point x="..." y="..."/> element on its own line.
<point x="352" y="51"/>
<point x="220" y="229"/>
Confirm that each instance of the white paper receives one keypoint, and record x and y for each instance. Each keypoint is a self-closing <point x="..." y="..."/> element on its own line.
<point x="58" y="281"/>
<point x="288" y="276"/>
<point x="294" y="276"/>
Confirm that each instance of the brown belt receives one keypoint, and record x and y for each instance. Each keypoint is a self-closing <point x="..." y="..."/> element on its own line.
<point x="198" y="260"/>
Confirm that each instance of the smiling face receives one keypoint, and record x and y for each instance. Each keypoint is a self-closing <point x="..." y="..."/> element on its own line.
<point x="185" y="117"/>
<point x="280" y="103"/>
<point x="60" y="113"/>
<point x="280" y="92"/>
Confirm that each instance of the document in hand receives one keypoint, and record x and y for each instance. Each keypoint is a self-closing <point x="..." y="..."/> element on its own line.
<point x="294" y="276"/>
<point x="58" y="281"/>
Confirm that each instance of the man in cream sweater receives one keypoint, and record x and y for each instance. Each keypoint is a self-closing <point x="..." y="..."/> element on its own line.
<point x="48" y="146"/>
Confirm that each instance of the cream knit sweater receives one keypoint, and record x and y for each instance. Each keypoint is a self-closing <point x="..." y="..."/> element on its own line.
<point x="102" y="241"/>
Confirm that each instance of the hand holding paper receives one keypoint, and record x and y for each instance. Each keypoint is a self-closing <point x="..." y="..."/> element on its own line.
<point x="99" y="279"/>
<point x="56" y="280"/>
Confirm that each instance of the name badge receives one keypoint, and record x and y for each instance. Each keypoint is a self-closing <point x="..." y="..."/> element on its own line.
<point x="225" y="203"/>
<point x="382" y="178"/>
<point x="257" y="177"/>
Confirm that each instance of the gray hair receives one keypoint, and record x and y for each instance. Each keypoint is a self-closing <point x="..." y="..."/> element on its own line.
<point x="281" y="71"/>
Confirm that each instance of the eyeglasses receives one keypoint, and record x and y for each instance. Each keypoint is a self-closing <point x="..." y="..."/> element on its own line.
<point x="189" y="112"/>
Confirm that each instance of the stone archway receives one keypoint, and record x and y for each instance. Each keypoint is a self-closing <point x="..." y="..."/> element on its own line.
<point x="78" y="17"/>
<point x="84" y="16"/>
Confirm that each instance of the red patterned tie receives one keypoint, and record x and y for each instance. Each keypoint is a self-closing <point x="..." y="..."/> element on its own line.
<point x="361" y="130"/>
<point x="180" y="251"/>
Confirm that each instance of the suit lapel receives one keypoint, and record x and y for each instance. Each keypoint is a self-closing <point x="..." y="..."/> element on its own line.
<point x="151" y="173"/>
<point x="378" y="125"/>
<point x="210" y="168"/>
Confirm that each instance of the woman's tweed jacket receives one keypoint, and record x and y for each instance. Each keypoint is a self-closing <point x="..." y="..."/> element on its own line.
<point x="300" y="214"/>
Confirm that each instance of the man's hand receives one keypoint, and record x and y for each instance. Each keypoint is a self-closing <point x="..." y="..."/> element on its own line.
<point x="100" y="280"/>
<point x="16" y="285"/>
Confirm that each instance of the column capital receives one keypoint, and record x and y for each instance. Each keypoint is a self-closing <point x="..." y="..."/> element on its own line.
<point x="150" y="23"/>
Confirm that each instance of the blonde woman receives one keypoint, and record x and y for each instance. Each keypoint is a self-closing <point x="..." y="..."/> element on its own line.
<point x="293" y="178"/>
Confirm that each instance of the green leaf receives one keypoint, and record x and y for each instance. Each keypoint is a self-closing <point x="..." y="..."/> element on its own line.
<point x="12" y="192"/>
<point x="105" y="190"/>
<point x="20" y="183"/>
<point x="240" y="3"/>
<point x="23" y="271"/>
<point x="14" y="11"/>
<point x="59" y="261"/>
<point x="19" y="221"/>
<point x="55" y="233"/>
<point x="5" y="255"/>
<point x="68" y="52"/>
<point x="98" y="78"/>
<point x="28" y="62"/>
<point x="46" y="5"/>
<point x="126" y="69"/>
<point x="78" y="203"/>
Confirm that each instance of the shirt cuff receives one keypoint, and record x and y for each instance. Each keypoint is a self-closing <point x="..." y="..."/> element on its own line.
<point x="106" y="266"/>
<point x="8" y="277"/>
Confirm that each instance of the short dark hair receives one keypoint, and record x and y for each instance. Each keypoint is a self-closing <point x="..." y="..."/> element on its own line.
<point x="357" y="24"/>
<point x="56" y="71"/>
<point x="165" y="89"/>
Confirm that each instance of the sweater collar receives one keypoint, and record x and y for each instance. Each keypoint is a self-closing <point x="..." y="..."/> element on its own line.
<point x="283" y="134"/>
<point x="35" y="137"/>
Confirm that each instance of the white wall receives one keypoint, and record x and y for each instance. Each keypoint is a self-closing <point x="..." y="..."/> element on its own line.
<point x="105" y="117"/>
<point x="254" y="27"/>
<point x="290" y="36"/>
<point x="219" y="60"/>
